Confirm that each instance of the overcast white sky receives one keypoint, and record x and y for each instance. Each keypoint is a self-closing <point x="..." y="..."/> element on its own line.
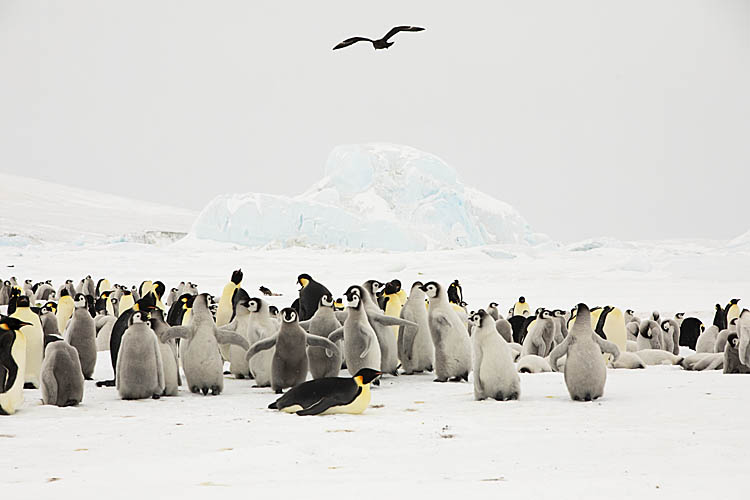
<point x="627" y="118"/>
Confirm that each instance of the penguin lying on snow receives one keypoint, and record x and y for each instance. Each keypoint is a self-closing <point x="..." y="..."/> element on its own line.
<point x="329" y="395"/>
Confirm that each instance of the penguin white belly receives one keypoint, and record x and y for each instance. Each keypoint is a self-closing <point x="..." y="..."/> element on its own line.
<point x="11" y="400"/>
<point x="34" y="345"/>
<point x="614" y="329"/>
<point x="357" y="406"/>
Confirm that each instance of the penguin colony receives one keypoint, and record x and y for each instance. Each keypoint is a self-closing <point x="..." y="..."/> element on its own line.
<point x="50" y="338"/>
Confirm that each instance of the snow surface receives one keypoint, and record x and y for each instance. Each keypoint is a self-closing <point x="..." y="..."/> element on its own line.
<point x="373" y="196"/>
<point x="658" y="433"/>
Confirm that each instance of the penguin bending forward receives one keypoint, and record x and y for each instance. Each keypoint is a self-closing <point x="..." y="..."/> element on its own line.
<point x="329" y="395"/>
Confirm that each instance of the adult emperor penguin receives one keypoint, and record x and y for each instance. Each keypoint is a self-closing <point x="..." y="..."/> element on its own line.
<point x="240" y="325"/>
<point x="732" y="362"/>
<point x="743" y="334"/>
<point x="224" y="312"/>
<point x="202" y="362"/>
<point x="140" y="372"/>
<point x="127" y="300"/>
<point x="102" y="286"/>
<point x="720" y="317"/>
<point x="12" y="364"/>
<point x="393" y="300"/>
<point x="179" y="308"/>
<point x="329" y="395"/>
<point x="81" y="334"/>
<point x="449" y="336"/>
<point x="65" y="307"/>
<point x="585" y="369"/>
<point x="521" y="308"/>
<point x="690" y="330"/>
<point x="361" y="348"/>
<point x="34" y="335"/>
<point x="261" y="325"/>
<point x="415" y="348"/>
<point x="380" y="324"/>
<point x="732" y="310"/>
<point x="309" y="296"/>
<point x="322" y="323"/>
<point x="610" y="325"/>
<point x="494" y="373"/>
<point x="168" y="349"/>
<point x="62" y="377"/>
<point x="290" y="363"/>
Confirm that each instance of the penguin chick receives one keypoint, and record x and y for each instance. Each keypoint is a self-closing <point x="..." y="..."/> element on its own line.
<point x="449" y="336"/>
<point x="494" y="373"/>
<point x="732" y="363"/>
<point x="62" y="377"/>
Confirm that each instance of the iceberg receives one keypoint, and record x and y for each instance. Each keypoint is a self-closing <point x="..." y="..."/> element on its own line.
<point x="373" y="197"/>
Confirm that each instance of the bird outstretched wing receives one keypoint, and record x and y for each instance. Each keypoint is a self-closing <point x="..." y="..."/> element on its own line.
<point x="350" y="41"/>
<point x="401" y="28"/>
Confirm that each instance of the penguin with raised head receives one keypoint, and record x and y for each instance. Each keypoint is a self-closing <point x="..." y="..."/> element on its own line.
<point x="720" y="317"/>
<point x="671" y="330"/>
<point x="493" y="311"/>
<point x="732" y="310"/>
<point x="81" y="334"/>
<point x="179" y="308"/>
<point x="224" y="312"/>
<point x="415" y="348"/>
<point x="610" y="325"/>
<point x="361" y="348"/>
<point x="310" y="293"/>
<point x="392" y="301"/>
<point x="455" y="293"/>
<point x="240" y="325"/>
<point x="585" y="370"/>
<point x="521" y="307"/>
<point x="322" y="324"/>
<point x="261" y="325"/>
<point x="127" y="301"/>
<point x="732" y="362"/>
<point x="34" y="335"/>
<point x="449" y="336"/>
<point x="102" y="286"/>
<point x="202" y="362"/>
<point x="494" y="373"/>
<point x="140" y="372"/>
<point x="168" y="350"/>
<point x="62" y="377"/>
<point x="290" y="363"/>
<point x="12" y="364"/>
<point x="329" y="395"/>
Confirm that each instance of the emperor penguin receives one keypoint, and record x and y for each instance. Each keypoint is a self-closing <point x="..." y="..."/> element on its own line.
<point x="585" y="369"/>
<point x="5" y="287"/>
<point x="732" y="362"/>
<point x="721" y="338"/>
<point x="104" y="324"/>
<point x="81" y="334"/>
<point x="65" y="307"/>
<point x="690" y="330"/>
<point x="225" y="309"/>
<point x="34" y="335"/>
<point x="493" y="311"/>
<point x="88" y="287"/>
<point x="140" y="372"/>
<point x="494" y="373"/>
<point x="743" y="337"/>
<point x="45" y="292"/>
<point x="168" y="350"/>
<point x="415" y="348"/>
<point x="261" y="325"/>
<point x="240" y="325"/>
<point x="629" y="361"/>
<point x="678" y="317"/>
<point x="610" y="325"/>
<point x="202" y="362"/>
<point x="68" y="286"/>
<point x="329" y="395"/>
<point x="732" y="310"/>
<point x="671" y="330"/>
<point x="707" y="340"/>
<point x="127" y="300"/>
<point x="322" y="324"/>
<point x="540" y="337"/>
<point x="632" y="329"/>
<point x="521" y="308"/>
<point x="531" y="363"/>
<point x="449" y="336"/>
<point x="172" y="297"/>
<point x="102" y="286"/>
<point x="62" y="377"/>
<point x="505" y="329"/>
<point x="649" y="335"/>
<point x="720" y="317"/>
<point x="393" y="300"/>
<point x="290" y="364"/>
<point x="310" y="293"/>
<point x="361" y="348"/>
<point x="28" y="290"/>
<point x="12" y="364"/>
<point x="48" y="320"/>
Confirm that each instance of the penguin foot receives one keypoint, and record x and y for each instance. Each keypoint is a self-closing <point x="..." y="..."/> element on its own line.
<point x="155" y="396"/>
<point x="195" y="389"/>
<point x="441" y="380"/>
<point x="456" y="379"/>
<point x="376" y="382"/>
<point x="278" y="391"/>
<point x="88" y="378"/>
<point x="71" y="402"/>
<point x="29" y="385"/>
<point x="204" y="390"/>
<point x="2" y="412"/>
<point x="105" y="383"/>
<point x="227" y="372"/>
<point x="239" y="376"/>
<point x="395" y="372"/>
<point x="215" y="391"/>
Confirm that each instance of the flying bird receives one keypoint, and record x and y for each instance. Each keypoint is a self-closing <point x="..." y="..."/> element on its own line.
<point x="382" y="43"/>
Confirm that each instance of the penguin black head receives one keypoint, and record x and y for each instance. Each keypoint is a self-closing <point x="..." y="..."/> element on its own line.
<point x="240" y="297"/>
<point x="522" y="299"/>
<point x="733" y="340"/>
<point x="64" y="293"/>
<point x="432" y="289"/>
<point x="237" y="276"/>
<point x="393" y="286"/>
<point x="679" y="315"/>
<point x="703" y="328"/>
<point x="254" y="304"/>
<point x="545" y="314"/>
<point x="288" y="315"/>
<point x="68" y="282"/>
<point x="273" y="310"/>
<point x="147" y="303"/>
<point x="23" y="301"/>
<point x="478" y="318"/>
<point x="353" y="296"/>
<point x="374" y="287"/>
<point x="159" y="289"/>
<point x="304" y="279"/>
<point x="734" y="301"/>
<point x="733" y="322"/>
<point x="139" y="317"/>
<point x="366" y="375"/>
<point x="28" y="282"/>
<point x="493" y="304"/>
<point x="11" y="324"/>
<point x="326" y="300"/>
<point x="80" y="300"/>
<point x="6" y="283"/>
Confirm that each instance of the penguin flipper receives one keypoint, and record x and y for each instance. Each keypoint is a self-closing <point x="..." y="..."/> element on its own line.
<point x="316" y="341"/>
<point x="390" y="320"/>
<point x="305" y="324"/>
<point x="261" y="345"/>
<point x="322" y="405"/>
<point x="607" y="347"/>
<point x="560" y="351"/>
<point x="174" y="332"/>
<point x="230" y="337"/>
<point x="337" y="334"/>
<point x="341" y="316"/>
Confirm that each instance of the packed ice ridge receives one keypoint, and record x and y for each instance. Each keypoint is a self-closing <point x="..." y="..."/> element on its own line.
<point x="373" y="196"/>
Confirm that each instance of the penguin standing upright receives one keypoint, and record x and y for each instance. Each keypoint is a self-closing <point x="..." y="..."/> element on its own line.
<point x="34" y="335"/>
<point x="449" y="336"/>
<point x="65" y="308"/>
<point x="62" y="377"/>
<point x="168" y="350"/>
<point x="240" y="325"/>
<point x="127" y="301"/>
<point x="81" y="334"/>
<point x="224" y="311"/>
<point x="494" y="373"/>
<point x="140" y="372"/>
<point x="521" y="308"/>
<point x="690" y="329"/>
<point x="309" y="296"/>
<point x="322" y="324"/>
<point x="415" y="348"/>
<point x="393" y="300"/>
<point x="361" y="348"/>
<point x="732" y="310"/>
<point x="585" y="369"/>
<point x="12" y="364"/>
